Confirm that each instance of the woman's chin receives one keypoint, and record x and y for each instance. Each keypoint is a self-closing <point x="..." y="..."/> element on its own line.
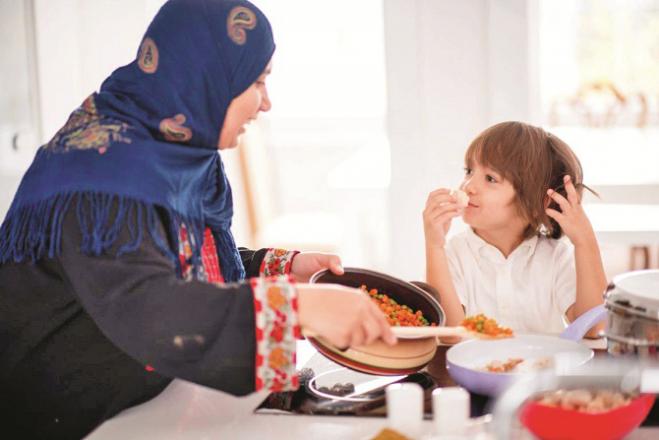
<point x="227" y="145"/>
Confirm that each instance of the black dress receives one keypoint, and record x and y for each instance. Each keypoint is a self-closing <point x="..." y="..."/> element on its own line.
<point x="82" y="338"/>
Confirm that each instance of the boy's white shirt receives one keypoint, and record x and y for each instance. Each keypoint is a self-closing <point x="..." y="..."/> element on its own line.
<point x="530" y="291"/>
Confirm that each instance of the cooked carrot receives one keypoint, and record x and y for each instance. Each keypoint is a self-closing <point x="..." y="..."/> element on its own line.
<point x="487" y="326"/>
<point x="397" y="314"/>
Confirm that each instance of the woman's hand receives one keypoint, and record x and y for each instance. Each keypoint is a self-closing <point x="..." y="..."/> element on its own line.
<point x="344" y="316"/>
<point x="306" y="264"/>
<point x="441" y="207"/>
<point x="572" y="219"/>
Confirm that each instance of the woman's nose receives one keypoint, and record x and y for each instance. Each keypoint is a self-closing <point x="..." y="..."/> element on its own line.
<point x="266" y="105"/>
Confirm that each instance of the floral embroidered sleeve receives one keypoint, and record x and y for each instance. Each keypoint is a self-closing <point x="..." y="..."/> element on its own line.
<point x="277" y="328"/>
<point x="277" y="262"/>
<point x="275" y="311"/>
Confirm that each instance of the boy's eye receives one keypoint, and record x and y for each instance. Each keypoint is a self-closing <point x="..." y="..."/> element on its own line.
<point x="491" y="179"/>
<point x="467" y="171"/>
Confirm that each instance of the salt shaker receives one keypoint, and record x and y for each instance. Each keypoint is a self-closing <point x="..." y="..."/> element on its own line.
<point x="450" y="407"/>
<point x="405" y="408"/>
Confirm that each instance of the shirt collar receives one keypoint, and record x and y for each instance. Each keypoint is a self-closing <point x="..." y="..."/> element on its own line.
<point x="484" y="249"/>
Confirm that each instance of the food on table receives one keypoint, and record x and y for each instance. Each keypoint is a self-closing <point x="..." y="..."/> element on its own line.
<point x="305" y="375"/>
<point x="461" y="197"/>
<point x="397" y="314"/>
<point x="487" y="326"/>
<point x="503" y="367"/>
<point x="585" y="400"/>
<point x="518" y="365"/>
<point x="338" y="389"/>
<point x="389" y="434"/>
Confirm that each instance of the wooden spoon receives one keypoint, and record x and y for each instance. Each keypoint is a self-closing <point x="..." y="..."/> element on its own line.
<point x="437" y="331"/>
<point x="405" y="332"/>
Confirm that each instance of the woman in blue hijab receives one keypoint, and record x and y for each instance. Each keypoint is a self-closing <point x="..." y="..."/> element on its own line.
<point x="118" y="270"/>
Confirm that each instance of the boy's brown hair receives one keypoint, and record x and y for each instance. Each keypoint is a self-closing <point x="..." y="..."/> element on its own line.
<point x="533" y="160"/>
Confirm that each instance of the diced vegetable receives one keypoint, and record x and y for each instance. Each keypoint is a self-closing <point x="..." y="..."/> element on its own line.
<point x="395" y="313"/>
<point x="488" y="326"/>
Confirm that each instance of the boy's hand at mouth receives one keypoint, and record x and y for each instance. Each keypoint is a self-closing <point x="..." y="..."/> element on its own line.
<point x="441" y="207"/>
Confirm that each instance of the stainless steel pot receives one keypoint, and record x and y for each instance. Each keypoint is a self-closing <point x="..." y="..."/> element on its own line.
<point x="632" y="301"/>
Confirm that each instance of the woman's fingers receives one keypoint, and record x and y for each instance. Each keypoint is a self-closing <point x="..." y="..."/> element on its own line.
<point x="344" y="316"/>
<point x="335" y="264"/>
<point x="372" y="329"/>
<point x="371" y="325"/>
<point x="357" y="336"/>
<point x="384" y="329"/>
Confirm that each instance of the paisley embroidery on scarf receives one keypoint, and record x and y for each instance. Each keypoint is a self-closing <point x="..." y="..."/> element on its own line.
<point x="147" y="58"/>
<point x="239" y="19"/>
<point x="86" y="130"/>
<point x="173" y="129"/>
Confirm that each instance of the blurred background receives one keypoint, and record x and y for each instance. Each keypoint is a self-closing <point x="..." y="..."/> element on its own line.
<point x="374" y="104"/>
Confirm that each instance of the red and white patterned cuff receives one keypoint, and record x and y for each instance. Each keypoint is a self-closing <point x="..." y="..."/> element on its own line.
<point x="277" y="262"/>
<point x="277" y="329"/>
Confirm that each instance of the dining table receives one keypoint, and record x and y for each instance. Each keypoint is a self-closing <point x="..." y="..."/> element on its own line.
<point x="186" y="411"/>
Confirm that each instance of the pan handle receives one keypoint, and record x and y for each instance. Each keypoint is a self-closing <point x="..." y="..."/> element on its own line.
<point x="434" y="293"/>
<point x="583" y="323"/>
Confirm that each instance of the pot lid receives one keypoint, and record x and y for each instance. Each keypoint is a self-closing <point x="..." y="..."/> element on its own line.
<point x="637" y="292"/>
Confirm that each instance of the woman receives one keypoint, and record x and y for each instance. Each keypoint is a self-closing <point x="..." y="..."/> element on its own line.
<point x="118" y="270"/>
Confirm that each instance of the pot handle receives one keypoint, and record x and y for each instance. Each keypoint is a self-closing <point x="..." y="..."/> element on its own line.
<point x="583" y="323"/>
<point x="427" y="287"/>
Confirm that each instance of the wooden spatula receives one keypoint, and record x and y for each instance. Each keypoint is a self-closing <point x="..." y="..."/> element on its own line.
<point x="421" y="332"/>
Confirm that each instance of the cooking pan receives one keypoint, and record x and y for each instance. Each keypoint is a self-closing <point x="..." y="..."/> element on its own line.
<point x="466" y="361"/>
<point x="408" y="355"/>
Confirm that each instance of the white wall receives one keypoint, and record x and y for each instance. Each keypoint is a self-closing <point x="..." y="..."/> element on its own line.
<point x="79" y="43"/>
<point x="453" y="68"/>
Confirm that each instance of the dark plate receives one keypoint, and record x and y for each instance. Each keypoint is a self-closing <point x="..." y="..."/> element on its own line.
<point x="405" y="357"/>
<point x="414" y="294"/>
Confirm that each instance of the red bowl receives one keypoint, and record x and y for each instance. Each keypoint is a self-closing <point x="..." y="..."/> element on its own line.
<point x="553" y="423"/>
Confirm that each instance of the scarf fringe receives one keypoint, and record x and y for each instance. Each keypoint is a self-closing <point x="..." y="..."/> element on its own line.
<point x="230" y="262"/>
<point x="32" y="232"/>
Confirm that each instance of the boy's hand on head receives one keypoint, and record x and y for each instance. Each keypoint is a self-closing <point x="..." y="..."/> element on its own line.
<point x="572" y="218"/>
<point x="441" y="208"/>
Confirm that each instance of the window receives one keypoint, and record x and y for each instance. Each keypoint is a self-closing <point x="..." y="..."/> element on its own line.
<point x="599" y="64"/>
<point x="325" y="136"/>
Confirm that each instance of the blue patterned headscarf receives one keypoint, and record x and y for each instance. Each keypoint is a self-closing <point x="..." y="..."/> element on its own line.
<point x="147" y="142"/>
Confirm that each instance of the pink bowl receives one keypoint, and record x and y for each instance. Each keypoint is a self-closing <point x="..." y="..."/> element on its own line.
<point x="553" y="423"/>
